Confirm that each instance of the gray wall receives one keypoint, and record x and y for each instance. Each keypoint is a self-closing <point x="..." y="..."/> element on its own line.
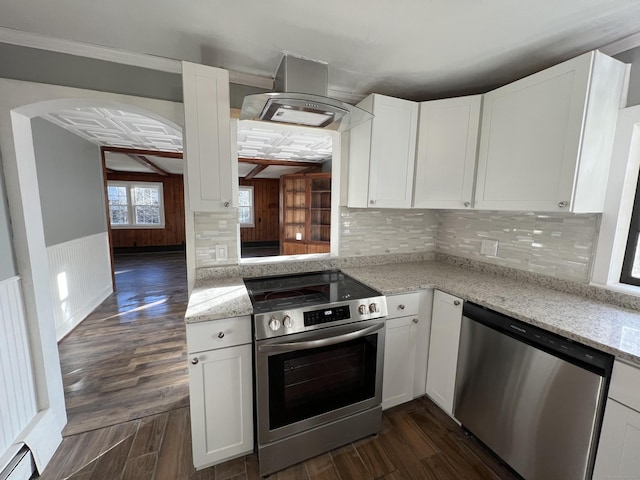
<point x="7" y="260"/>
<point x="633" y="57"/>
<point x="41" y="66"/>
<point x="70" y="183"/>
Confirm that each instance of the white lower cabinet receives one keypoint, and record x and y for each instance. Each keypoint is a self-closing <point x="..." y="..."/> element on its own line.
<point x="399" y="360"/>
<point x="406" y="343"/>
<point x="221" y="392"/>
<point x="446" y="320"/>
<point x="618" y="454"/>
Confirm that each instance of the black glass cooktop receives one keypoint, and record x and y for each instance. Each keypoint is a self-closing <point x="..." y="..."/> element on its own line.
<point x="271" y="294"/>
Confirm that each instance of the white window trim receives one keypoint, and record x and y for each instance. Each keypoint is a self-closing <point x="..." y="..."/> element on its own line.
<point x="616" y="217"/>
<point x="137" y="226"/>
<point x="253" y="207"/>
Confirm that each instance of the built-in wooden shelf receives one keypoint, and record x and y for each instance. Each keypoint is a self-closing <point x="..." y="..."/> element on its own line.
<point x="305" y="213"/>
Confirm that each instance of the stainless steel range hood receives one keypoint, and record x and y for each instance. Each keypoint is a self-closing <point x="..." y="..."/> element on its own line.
<point x="301" y="99"/>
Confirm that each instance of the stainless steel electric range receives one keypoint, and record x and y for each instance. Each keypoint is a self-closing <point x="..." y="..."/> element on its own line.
<point x="319" y="350"/>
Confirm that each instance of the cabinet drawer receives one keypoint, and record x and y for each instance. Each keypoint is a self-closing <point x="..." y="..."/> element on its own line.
<point x="624" y="385"/>
<point x="403" y="305"/>
<point x="218" y="334"/>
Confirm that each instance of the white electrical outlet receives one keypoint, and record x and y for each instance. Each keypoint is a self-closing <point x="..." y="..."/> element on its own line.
<point x="221" y="252"/>
<point x="489" y="248"/>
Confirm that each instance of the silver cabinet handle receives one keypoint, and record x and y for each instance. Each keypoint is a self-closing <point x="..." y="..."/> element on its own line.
<point x="194" y="360"/>
<point x="401" y="307"/>
<point x="456" y="302"/>
<point x="221" y="335"/>
<point x="226" y="204"/>
<point x="323" y="342"/>
<point x="467" y="204"/>
<point x="415" y="320"/>
<point x="563" y="204"/>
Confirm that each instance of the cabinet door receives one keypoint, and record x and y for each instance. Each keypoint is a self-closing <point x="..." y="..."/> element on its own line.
<point x="447" y="152"/>
<point x="399" y="360"/>
<point x="221" y="395"/>
<point x="619" y="448"/>
<point x="446" y="320"/>
<point x="207" y="138"/>
<point x="393" y="150"/>
<point x="422" y="342"/>
<point x="531" y="137"/>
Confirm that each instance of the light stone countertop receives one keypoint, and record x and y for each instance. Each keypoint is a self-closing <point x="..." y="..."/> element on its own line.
<point x="603" y="326"/>
<point x="218" y="298"/>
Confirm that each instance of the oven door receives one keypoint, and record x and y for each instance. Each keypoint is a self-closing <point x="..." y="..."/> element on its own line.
<point x="313" y="378"/>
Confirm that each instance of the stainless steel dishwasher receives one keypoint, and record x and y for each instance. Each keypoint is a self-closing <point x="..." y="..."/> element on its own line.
<point x="533" y="397"/>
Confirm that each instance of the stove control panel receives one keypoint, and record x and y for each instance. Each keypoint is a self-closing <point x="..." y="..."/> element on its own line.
<point x="326" y="315"/>
<point x="298" y="320"/>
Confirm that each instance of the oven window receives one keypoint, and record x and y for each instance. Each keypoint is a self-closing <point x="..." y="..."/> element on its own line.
<point x="307" y="383"/>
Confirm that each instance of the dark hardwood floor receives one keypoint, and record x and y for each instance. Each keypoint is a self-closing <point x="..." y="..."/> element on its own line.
<point x="126" y="385"/>
<point x="128" y="360"/>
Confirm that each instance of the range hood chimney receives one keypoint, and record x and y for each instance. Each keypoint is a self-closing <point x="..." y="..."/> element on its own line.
<point x="301" y="99"/>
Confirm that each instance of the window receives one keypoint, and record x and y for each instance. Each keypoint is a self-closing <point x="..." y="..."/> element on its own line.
<point x="136" y="205"/>
<point x="631" y="263"/>
<point x="245" y="206"/>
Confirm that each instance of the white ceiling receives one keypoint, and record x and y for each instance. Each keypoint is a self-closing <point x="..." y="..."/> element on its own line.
<point x="417" y="49"/>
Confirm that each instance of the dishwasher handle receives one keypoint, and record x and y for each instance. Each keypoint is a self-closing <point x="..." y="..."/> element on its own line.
<point x="588" y="357"/>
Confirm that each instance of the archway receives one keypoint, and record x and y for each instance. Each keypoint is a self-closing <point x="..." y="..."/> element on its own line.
<point x="19" y="103"/>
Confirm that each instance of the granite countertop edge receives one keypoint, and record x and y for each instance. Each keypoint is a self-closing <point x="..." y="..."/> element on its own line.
<point x="590" y="322"/>
<point x="593" y="323"/>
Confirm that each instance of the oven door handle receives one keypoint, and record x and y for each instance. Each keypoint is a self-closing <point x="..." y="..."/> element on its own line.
<point x="322" y="342"/>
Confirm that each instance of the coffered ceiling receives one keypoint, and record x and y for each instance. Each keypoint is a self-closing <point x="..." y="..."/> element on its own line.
<point x="256" y="140"/>
<point x="416" y="49"/>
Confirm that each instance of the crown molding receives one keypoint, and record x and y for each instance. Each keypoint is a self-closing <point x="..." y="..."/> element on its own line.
<point x="108" y="54"/>
<point x="98" y="52"/>
<point x="622" y="45"/>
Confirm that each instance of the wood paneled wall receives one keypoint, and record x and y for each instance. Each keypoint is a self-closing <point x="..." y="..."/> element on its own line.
<point x="173" y="233"/>
<point x="266" y="198"/>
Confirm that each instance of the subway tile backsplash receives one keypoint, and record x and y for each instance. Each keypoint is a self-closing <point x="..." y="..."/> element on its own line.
<point x="216" y="228"/>
<point x="557" y="245"/>
<point x="369" y="231"/>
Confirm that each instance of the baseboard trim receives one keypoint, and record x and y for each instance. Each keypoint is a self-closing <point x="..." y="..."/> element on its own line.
<point x="67" y="327"/>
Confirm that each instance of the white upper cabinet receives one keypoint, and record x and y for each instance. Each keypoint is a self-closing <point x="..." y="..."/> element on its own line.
<point x="545" y="141"/>
<point x="382" y="154"/>
<point x="447" y="153"/>
<point x="207" y="138"/>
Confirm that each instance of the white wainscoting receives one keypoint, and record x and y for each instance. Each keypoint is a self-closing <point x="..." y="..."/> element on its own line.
<point x="17" y="392"/>
<point x="80" y="278"/>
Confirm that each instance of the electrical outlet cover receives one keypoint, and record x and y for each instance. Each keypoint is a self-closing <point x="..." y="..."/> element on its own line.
<point x="489" y="248"/>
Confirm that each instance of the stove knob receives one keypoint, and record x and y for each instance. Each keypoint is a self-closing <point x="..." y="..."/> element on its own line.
<point x="274" y="324"/>
<point x="362" y="309"/>
<point x="287" y="322"/>
<point x="373" y="307"/>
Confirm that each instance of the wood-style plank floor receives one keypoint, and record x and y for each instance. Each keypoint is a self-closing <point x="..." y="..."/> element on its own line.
<point x="125" y="382"/>
<point x="128" y="359"/>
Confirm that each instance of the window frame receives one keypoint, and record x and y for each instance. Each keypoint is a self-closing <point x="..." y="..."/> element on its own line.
<point x="129" y="185"/>
<point x="252" y="206"/>
<point x="622" y="189"/>
<point x="632" y="242"/>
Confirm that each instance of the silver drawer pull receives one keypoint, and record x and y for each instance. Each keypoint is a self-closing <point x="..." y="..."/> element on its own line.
<point x="401" y="307"/>
<point x="194" y="360"/>
<point x="415" y="320"/>
<point x="456" y="302"/>
<point x="221" y="335"/>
